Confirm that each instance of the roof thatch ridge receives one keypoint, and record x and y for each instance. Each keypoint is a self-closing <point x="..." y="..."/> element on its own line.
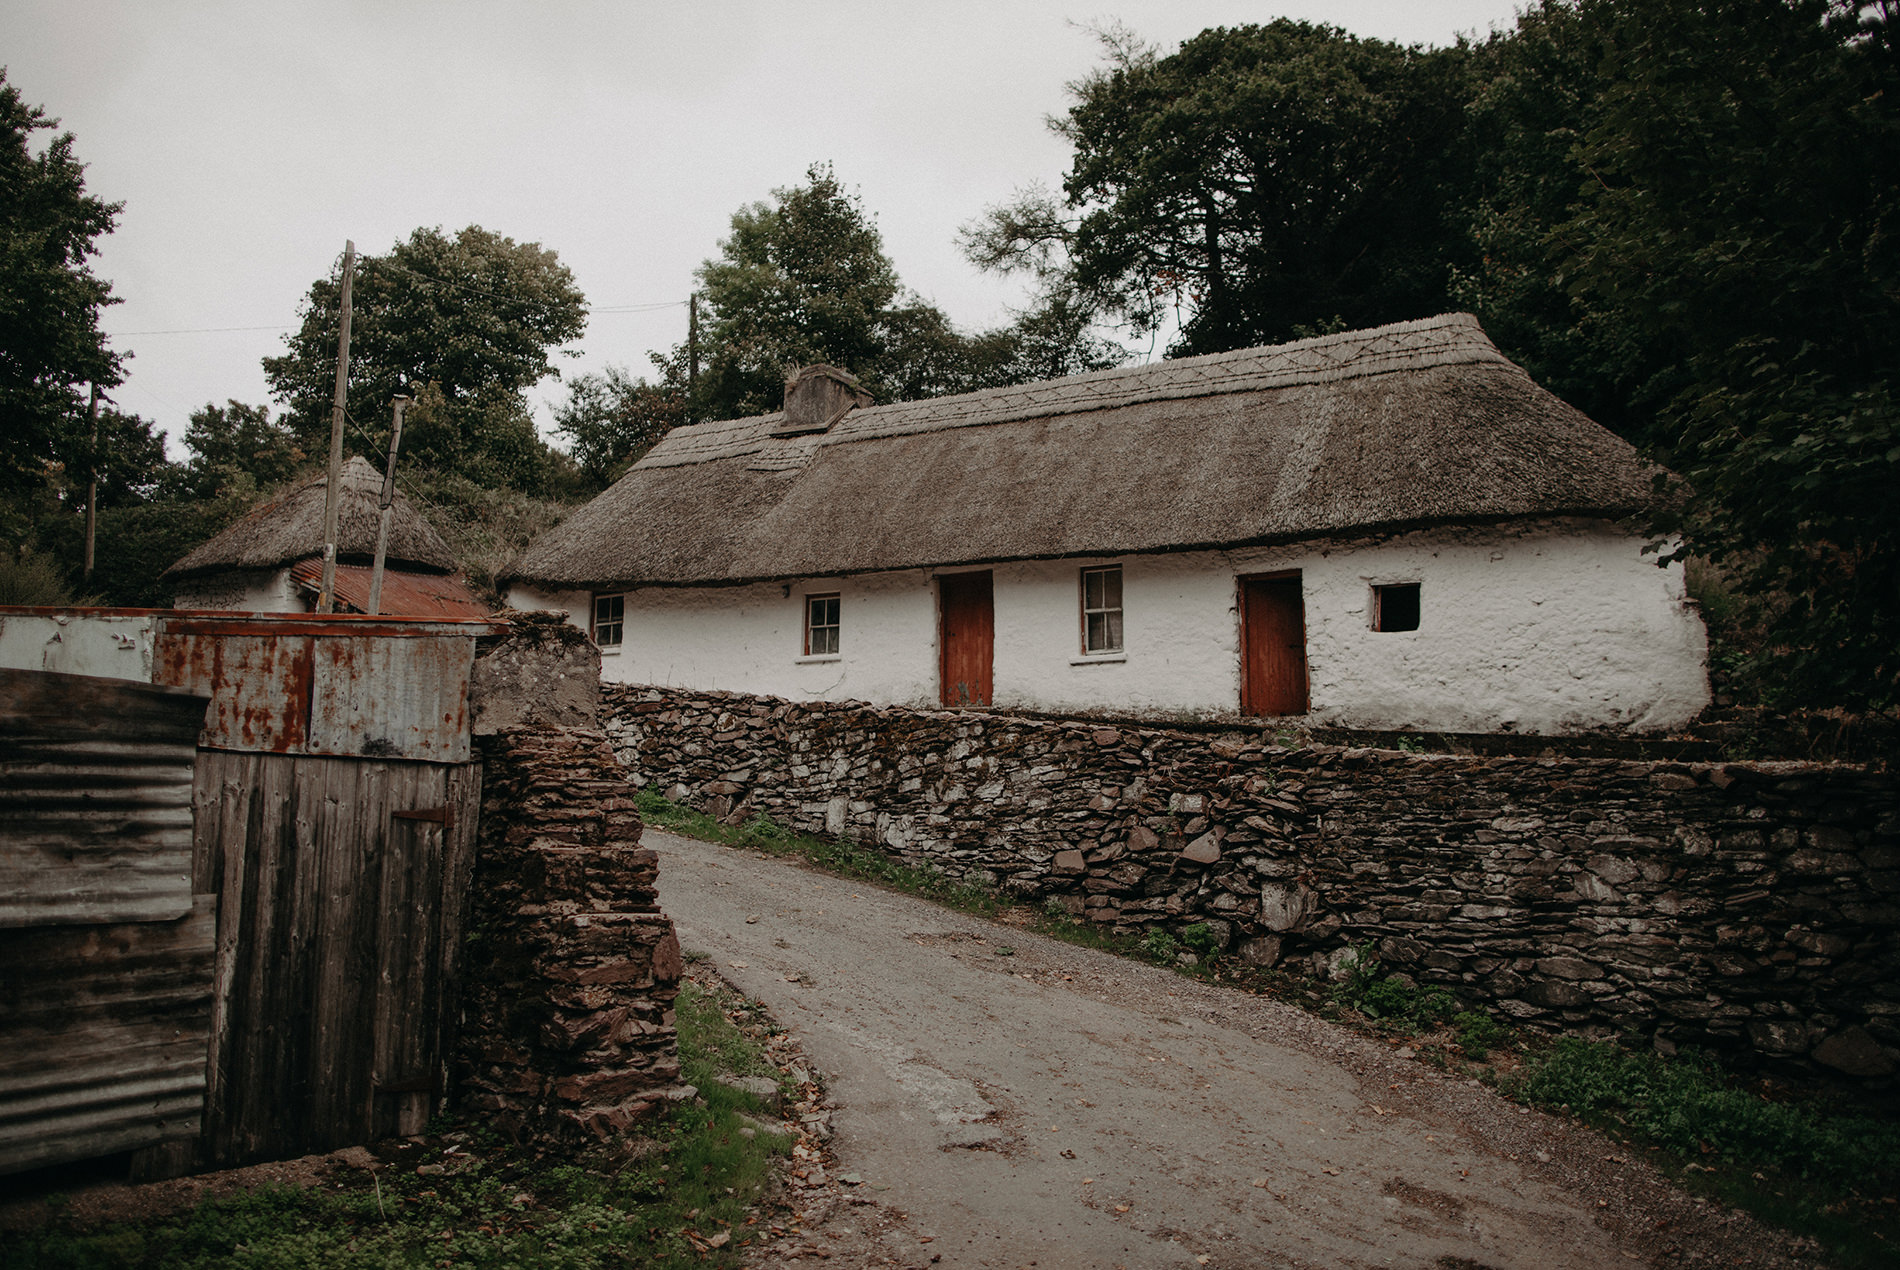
<point x="289" y="527"/>
<point x="1398" y="427"/>
<point x="1448" y="339"/>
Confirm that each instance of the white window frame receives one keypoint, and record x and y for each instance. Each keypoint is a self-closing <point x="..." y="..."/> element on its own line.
<point x="610" y="621"/>
<point x="1117" y="647"/>
<point x="835" y="626"/>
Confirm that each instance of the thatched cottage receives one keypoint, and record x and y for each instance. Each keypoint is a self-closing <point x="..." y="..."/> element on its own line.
<point x="271" y="561"/>
<point x="1389" y="528"/>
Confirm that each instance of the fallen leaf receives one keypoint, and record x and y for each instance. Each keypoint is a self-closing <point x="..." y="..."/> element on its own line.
<point x="1330" y="1172"/>
<point x="1261" y="1182"/>
<point x="719" y="1240"/>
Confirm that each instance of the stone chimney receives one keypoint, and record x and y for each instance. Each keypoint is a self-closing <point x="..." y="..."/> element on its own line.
<point x="817" y="397"/>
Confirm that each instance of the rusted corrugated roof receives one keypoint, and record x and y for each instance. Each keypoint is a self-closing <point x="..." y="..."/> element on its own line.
<point x="404" y="594"/>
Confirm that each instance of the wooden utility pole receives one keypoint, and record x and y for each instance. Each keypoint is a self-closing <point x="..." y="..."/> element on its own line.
<point x="389" y="496"/>
<point x="92" y="481"/>
<point x="692" y="354"/>
<point x="326" y="596"/>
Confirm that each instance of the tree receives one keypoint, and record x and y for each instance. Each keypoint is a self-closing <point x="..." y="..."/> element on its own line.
<point x="474" y="317"/>
<point x="1745" y="175"/>
<point x="237" y="449"/>
<point x="612" y="418"/>
<point x="1257" y="182"/>
<point x="50" y="342"/>
<point x="804" y="279"/>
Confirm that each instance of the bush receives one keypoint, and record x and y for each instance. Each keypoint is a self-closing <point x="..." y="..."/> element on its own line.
<point x="1689" y="1105"/>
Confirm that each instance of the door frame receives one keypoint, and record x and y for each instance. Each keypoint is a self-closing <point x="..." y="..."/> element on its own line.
<point x="1240" y="606"/>
<point x="943" y="643"/>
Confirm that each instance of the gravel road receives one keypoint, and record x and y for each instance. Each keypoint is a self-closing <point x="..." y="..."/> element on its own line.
<point x="1009" y="1100"/>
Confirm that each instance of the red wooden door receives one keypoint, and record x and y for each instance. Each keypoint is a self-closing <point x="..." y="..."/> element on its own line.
<point x="1273" y="646"/>
<point x="966" y="637"/>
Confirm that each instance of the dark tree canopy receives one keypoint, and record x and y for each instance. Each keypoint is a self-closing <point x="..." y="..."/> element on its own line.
<point x="50" y="343"/>
<point x="804" y="279"/>
<point x="237" y="449"/>
<point x="1259" y="182"/>
<point x="474" y="318"/>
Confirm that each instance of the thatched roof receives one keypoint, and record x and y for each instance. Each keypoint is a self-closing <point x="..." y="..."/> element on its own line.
<point x="1415" y="424"/>
<point x="290" y="528"/>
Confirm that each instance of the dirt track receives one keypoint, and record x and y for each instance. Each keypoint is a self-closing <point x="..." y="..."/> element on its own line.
<point x="1008" y="1101"/>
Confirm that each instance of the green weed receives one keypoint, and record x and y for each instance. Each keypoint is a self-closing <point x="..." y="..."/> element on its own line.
<point x="1802" y="1165"/>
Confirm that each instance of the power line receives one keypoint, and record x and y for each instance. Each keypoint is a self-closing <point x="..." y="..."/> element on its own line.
<point x="198" y="330"/>
<point x="605" y="310"/>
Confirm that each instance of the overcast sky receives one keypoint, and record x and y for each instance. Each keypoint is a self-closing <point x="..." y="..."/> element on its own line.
<point x="249" y="139"/>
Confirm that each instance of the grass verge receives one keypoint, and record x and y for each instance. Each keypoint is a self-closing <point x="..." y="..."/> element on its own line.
<point x="843" y="858"/>
<point x="684" y="1191"/>
<point x="1797" y="1162"/>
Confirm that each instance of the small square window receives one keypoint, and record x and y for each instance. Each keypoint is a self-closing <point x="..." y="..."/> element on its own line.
<point x="1102" y="610"/>
<point x="1395" y="607"/>
<point x="610" y="615"/>
<point x="821" y="626"/>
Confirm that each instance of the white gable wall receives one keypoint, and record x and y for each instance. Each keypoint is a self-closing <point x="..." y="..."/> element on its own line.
<point x="242" y="591"/>
<point x="1549" y="628"/>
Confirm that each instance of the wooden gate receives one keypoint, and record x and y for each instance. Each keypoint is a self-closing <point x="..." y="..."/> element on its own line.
<point x="340" y="885"/>
<point x="1273" y="645"/>
<point x="966" y="637"/>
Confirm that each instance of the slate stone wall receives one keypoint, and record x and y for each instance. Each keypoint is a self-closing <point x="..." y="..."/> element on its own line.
<point x="1748" y="907"/>
<point x="572" y="969"/>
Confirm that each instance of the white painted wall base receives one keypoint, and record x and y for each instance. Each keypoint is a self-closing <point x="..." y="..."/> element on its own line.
<point x="242" y="591"/>
<point x="1548" y="628"/>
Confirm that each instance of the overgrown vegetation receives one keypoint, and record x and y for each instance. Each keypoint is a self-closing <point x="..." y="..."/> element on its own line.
<point x="1800" y="1163"/>
<point x="683" y="1192"/>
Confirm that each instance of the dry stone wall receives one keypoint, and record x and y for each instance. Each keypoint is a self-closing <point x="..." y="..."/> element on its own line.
<point x="1749" y="907"/>
<point x="568" y="1025"/>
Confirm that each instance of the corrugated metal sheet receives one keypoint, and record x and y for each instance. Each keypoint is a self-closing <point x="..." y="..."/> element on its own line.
<point x="95" y="799"/>
<point x="334" y="686"/>
<point x="115" y="643"/>
<point x="433" y="595"/>
<point x="104" y="1036"/>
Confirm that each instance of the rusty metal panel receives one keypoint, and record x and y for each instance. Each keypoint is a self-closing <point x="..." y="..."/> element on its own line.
<point x="95" y="799"/>
<point x="392" y="698"/>
<point x="298" y="685"/>
<point x="405" y="594"/>
<point x="104" y="1036"/>
<point x="259" y="685"/>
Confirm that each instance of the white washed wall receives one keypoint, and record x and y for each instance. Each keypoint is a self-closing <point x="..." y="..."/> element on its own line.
<point x="242" y="591"/>
<point x="1535" y="629"/>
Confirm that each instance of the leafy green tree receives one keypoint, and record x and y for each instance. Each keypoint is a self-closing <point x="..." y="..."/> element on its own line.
<point x="474" y="318"/>
<point x="611" y="419"/>
<point x="50" y="342"/>
<point x="237" y="449"/>
<point x="1744" y="164"/>
<point x="804" y="279"/>
<point x="1257" y="181"/>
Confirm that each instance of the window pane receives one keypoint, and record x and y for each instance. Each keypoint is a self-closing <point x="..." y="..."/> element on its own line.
<point x="1114" y="644"/>
<point x="1112" y="588"/>
<point x="1091" y="589"/>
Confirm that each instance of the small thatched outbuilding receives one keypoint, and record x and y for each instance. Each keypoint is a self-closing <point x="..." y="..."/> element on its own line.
<point x="1393" y="527"/>
<point x="271" y="561"/>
